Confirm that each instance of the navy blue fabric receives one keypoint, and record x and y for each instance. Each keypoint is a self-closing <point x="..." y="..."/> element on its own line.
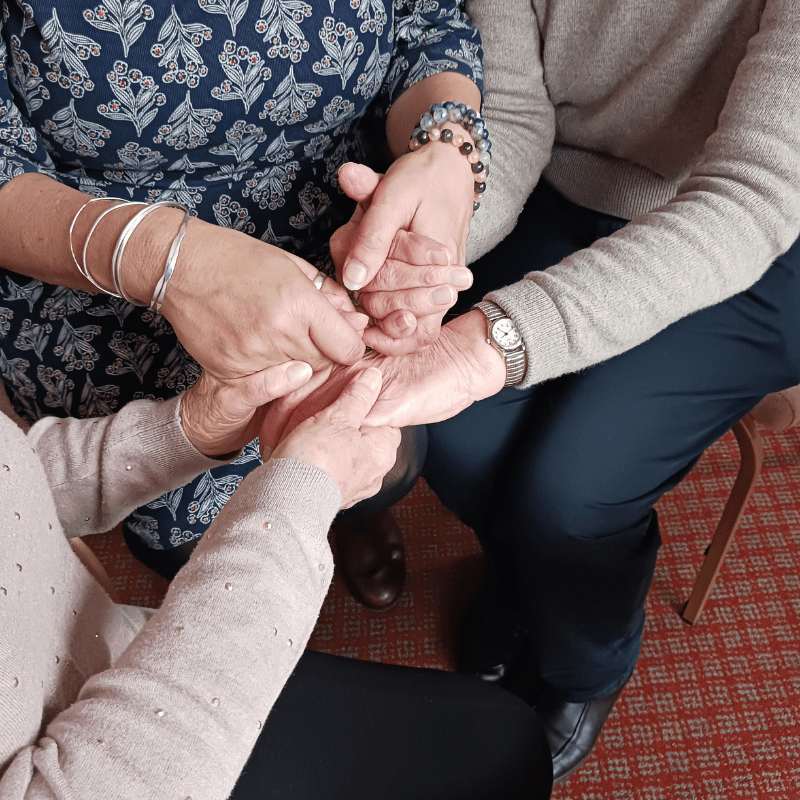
<point x="243" y="111"/>
<point x="559" y="480"/>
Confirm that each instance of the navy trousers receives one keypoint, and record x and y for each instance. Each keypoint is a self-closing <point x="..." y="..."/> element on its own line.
<point x="559" y="481"/>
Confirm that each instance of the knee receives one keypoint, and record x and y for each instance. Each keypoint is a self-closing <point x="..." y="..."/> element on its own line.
<point x="572" y="497"/>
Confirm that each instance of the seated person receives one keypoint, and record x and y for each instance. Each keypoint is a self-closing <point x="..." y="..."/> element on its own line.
<point x="645" y="299"/>
<point x="238" y="117"/>
<point x="99" y="700"/>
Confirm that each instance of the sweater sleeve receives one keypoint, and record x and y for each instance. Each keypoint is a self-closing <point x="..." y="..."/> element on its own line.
<point x="99" y="470"/>
<point x="738" y="210"/>
<point x="180" y="711"/>
<point x="21" y="89"/>
<point x="520" y="117"/>
<point x="430" y="38"/>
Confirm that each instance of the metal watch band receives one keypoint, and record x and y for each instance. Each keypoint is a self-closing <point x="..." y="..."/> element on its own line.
<point x="516" y="359"/>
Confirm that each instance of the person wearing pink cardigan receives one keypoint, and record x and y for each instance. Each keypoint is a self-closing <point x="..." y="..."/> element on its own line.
<point x="100" y="700"/>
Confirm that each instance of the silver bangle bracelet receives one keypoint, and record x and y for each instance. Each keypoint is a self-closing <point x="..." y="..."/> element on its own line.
<point x="85" y="271"/>
<point x="159" y="293"/>
<point x="122" y="243"/>
<point x="82" y="269"/>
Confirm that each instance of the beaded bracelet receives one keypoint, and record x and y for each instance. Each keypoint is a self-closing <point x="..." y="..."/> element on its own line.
<point x="478" y="151"/>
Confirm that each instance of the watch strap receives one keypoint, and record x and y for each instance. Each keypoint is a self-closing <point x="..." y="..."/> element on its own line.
<point x="516" y="358"/>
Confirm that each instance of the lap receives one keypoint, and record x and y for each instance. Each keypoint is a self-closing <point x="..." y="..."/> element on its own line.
<point x="353" y="729"/>
<point x="629" y="427"/>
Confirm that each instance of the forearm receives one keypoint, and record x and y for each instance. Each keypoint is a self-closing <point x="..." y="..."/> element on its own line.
<point x="738" y="210"/>
<point x="99" y="470"/>
<point x="37" y="212"/>
<point x="203" y="674"/>
<point x="417" y="99"/>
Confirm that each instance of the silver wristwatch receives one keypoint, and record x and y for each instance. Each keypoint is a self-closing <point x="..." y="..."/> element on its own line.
<point x="503" y="335"/>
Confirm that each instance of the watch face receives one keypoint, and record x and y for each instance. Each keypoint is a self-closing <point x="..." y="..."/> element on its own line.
<point x="505" y="333"/>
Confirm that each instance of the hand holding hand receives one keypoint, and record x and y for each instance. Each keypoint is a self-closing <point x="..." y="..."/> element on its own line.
<point x="239" y="305"/>
<point x="220" y="417"/>
<point x="408" y="292"/>
<point x="428" y="386"/>
<point x="336" y="440"/>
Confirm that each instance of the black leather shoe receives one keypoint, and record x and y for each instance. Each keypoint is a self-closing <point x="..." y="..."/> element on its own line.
<point x="371" y="559"/>
<point x="572" y="730"/>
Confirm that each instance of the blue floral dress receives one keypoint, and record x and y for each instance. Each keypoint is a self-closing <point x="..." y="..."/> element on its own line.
<point x="241" y="109"/>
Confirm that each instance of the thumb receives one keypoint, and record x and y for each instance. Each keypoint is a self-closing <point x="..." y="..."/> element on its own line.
<point x="358" y="181"/>
<point x="372" y="241"/>
<point x="333" y="335"/>
<point x="358" y="396"/>
<point x="243" y="394"/>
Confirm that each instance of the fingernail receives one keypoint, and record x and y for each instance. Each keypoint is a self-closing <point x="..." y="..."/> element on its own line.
<point x="354" y="275"/>
<point x="298" y="373"/>
<point x="408" y="320"/>
<point x="361" y="319"/>
<point x="460" y="278"/>
<point x="442" y="295"/>
<point x="372" y="377"/>
<point x="439" y="257"/>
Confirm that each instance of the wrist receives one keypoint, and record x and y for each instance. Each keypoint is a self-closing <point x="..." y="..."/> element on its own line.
<point x="486" y="367"/>
<point x="148" y="249"/>
<point x="195" y="409"/>
<point x="462" y="128"/>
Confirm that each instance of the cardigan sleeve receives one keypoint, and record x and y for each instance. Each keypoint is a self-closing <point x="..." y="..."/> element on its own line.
<point x="100" y="469"/>
<point x="178" y="714"/>
<point x="738" y="210"/>
<point x="519" y="115"/>
<point x="430" y="38"/>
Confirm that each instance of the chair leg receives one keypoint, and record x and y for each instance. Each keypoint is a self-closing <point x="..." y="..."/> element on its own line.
<point x="751" y="450"/>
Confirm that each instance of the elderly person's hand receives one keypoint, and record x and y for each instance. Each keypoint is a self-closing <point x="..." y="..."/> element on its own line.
<point x="415" y="285"/>
<point x="428" y="386"/>
<point x="220" y="417"/>
<point x="336" y="439"/>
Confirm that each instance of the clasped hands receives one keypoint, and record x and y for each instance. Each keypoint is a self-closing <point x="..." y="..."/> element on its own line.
<point x="276" y="336"/>
<point x="386" y="254"/>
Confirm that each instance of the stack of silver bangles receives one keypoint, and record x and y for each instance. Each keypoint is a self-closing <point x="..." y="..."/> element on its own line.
<point x="478" y="151"/>
<point x="119" y="249"/>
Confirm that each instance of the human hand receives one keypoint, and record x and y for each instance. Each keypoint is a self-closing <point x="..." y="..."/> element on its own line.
<point x="220" y="417"/>
<point x="336" y="440"/>
<point x="416" y="283"/>
<point x="239" y="305"/>
<point x="428" y="386"/>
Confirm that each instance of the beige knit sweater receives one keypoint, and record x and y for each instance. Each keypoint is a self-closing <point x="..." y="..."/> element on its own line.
<point x="682" y="116"/>
<point x="97" y="700"/>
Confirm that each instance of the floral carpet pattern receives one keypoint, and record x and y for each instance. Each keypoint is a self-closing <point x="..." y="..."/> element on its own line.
<point x="712" y="711"/>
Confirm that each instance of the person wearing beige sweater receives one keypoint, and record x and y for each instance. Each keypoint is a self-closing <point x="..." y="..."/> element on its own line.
<point x="645" y="174"/>
<point x="99" y="700"/>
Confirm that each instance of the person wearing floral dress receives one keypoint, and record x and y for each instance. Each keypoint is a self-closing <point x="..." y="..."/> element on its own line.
<point x="243" y="111"/>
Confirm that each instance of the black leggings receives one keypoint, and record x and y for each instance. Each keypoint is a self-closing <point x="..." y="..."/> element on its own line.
<point x="357" y="730"/>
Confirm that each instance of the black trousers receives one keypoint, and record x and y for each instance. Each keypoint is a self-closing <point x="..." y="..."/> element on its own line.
<point x="559" y="481"/>
<point x="357" y="730"/>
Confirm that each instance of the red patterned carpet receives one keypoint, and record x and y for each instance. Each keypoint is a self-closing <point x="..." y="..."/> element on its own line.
<point x="711" y="713"/>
